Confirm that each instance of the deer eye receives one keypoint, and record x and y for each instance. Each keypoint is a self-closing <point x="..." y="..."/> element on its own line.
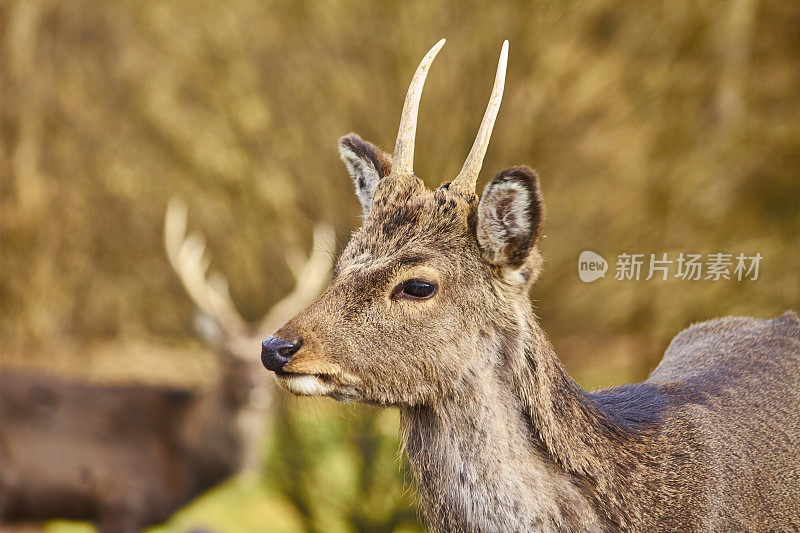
<point x="414" y="289"/>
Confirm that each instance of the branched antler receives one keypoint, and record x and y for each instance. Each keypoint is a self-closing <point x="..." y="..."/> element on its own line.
<point x="240" y="338"/>
<point x="187" y="256"/>
<point x="310" y="274"/>
<point x="210" y="292"/>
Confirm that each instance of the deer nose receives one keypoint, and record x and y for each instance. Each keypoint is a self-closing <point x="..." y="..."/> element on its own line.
<point x="276" y="352"/>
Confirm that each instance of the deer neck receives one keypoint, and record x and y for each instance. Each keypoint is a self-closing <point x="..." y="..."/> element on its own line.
<point x="577" y="432"/>
<point x="524" y="449"/>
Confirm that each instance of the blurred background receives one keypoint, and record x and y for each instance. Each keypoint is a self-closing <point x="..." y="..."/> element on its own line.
<point x="656" y="127"/>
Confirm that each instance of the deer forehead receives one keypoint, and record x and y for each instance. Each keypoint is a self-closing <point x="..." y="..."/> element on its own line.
<point x="426" y="224"/>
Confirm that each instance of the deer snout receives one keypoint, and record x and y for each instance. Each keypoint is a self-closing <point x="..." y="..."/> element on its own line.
<point x="276" y="352"/>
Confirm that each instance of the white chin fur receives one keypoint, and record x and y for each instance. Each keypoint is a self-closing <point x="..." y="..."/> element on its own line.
<point x="305" y="385"/>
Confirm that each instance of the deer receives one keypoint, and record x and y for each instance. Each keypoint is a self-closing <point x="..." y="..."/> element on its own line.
<point x="223" y="328"/>
<point x="128" y="456"/>
<point x="428" y="312"/>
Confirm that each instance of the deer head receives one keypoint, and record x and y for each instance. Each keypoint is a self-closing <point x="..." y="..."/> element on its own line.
<point x="242" y="391"/>
<point x="422" y="286"/>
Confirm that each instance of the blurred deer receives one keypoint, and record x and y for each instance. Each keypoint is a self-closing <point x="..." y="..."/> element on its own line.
<point x="126" y="457"/>
<point x="428" y="311"/>
<point x="224" y="328"/>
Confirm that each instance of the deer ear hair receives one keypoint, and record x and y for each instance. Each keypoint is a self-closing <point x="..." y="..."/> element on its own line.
<point x="510" y="215"/>
<point x="367" y="165"/>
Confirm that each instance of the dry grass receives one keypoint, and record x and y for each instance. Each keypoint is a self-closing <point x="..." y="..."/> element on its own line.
<point x="656" y="127"/>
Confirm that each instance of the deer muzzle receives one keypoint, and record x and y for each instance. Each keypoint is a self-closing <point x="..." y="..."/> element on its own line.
<point x="276" y="353"/>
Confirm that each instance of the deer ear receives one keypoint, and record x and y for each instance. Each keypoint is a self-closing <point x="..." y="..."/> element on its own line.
<point x="367" y="165"/>
<point x="509" y="220"/>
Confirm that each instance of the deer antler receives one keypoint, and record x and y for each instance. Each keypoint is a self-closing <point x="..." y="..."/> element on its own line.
<point x="310" y="276"/>
<point x="210" y="293"/>
<point x="403" y="157"/>
<point x="187" y="256"/>
<point x="468" y="177"/>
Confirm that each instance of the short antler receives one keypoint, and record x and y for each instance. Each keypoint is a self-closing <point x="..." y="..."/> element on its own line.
<point x="211" y="295"/>
<point x="468" y="177"/>
<point x="403" y="157"/>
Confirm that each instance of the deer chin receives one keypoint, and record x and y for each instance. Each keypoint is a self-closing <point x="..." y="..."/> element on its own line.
<point x="305" y="384"/>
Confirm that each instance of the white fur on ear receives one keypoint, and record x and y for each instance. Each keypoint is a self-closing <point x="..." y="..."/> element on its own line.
<point x="364" y="175"/>
<point x="503" y="214"/>
<point x="367" y="165"/>
<point x="509" y="216"/>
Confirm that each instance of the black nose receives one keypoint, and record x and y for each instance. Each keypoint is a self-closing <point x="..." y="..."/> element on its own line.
<point x="275" y="353"/>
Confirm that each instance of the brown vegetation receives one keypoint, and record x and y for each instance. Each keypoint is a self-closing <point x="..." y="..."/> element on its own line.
<point x="656" y="127"/>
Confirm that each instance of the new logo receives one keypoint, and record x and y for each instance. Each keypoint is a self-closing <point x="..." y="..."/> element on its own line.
<point x="591" y="266"/>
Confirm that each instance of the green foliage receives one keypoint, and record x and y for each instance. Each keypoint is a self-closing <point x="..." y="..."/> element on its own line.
<point x="340" y="470"/>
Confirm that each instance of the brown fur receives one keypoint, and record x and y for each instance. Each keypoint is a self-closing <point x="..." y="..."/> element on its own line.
<point x="124" y="457"/>
<point x="498" y="436"/>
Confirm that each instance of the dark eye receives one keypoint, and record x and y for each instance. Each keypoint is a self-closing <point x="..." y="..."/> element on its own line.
<point x="414" y="289"/>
